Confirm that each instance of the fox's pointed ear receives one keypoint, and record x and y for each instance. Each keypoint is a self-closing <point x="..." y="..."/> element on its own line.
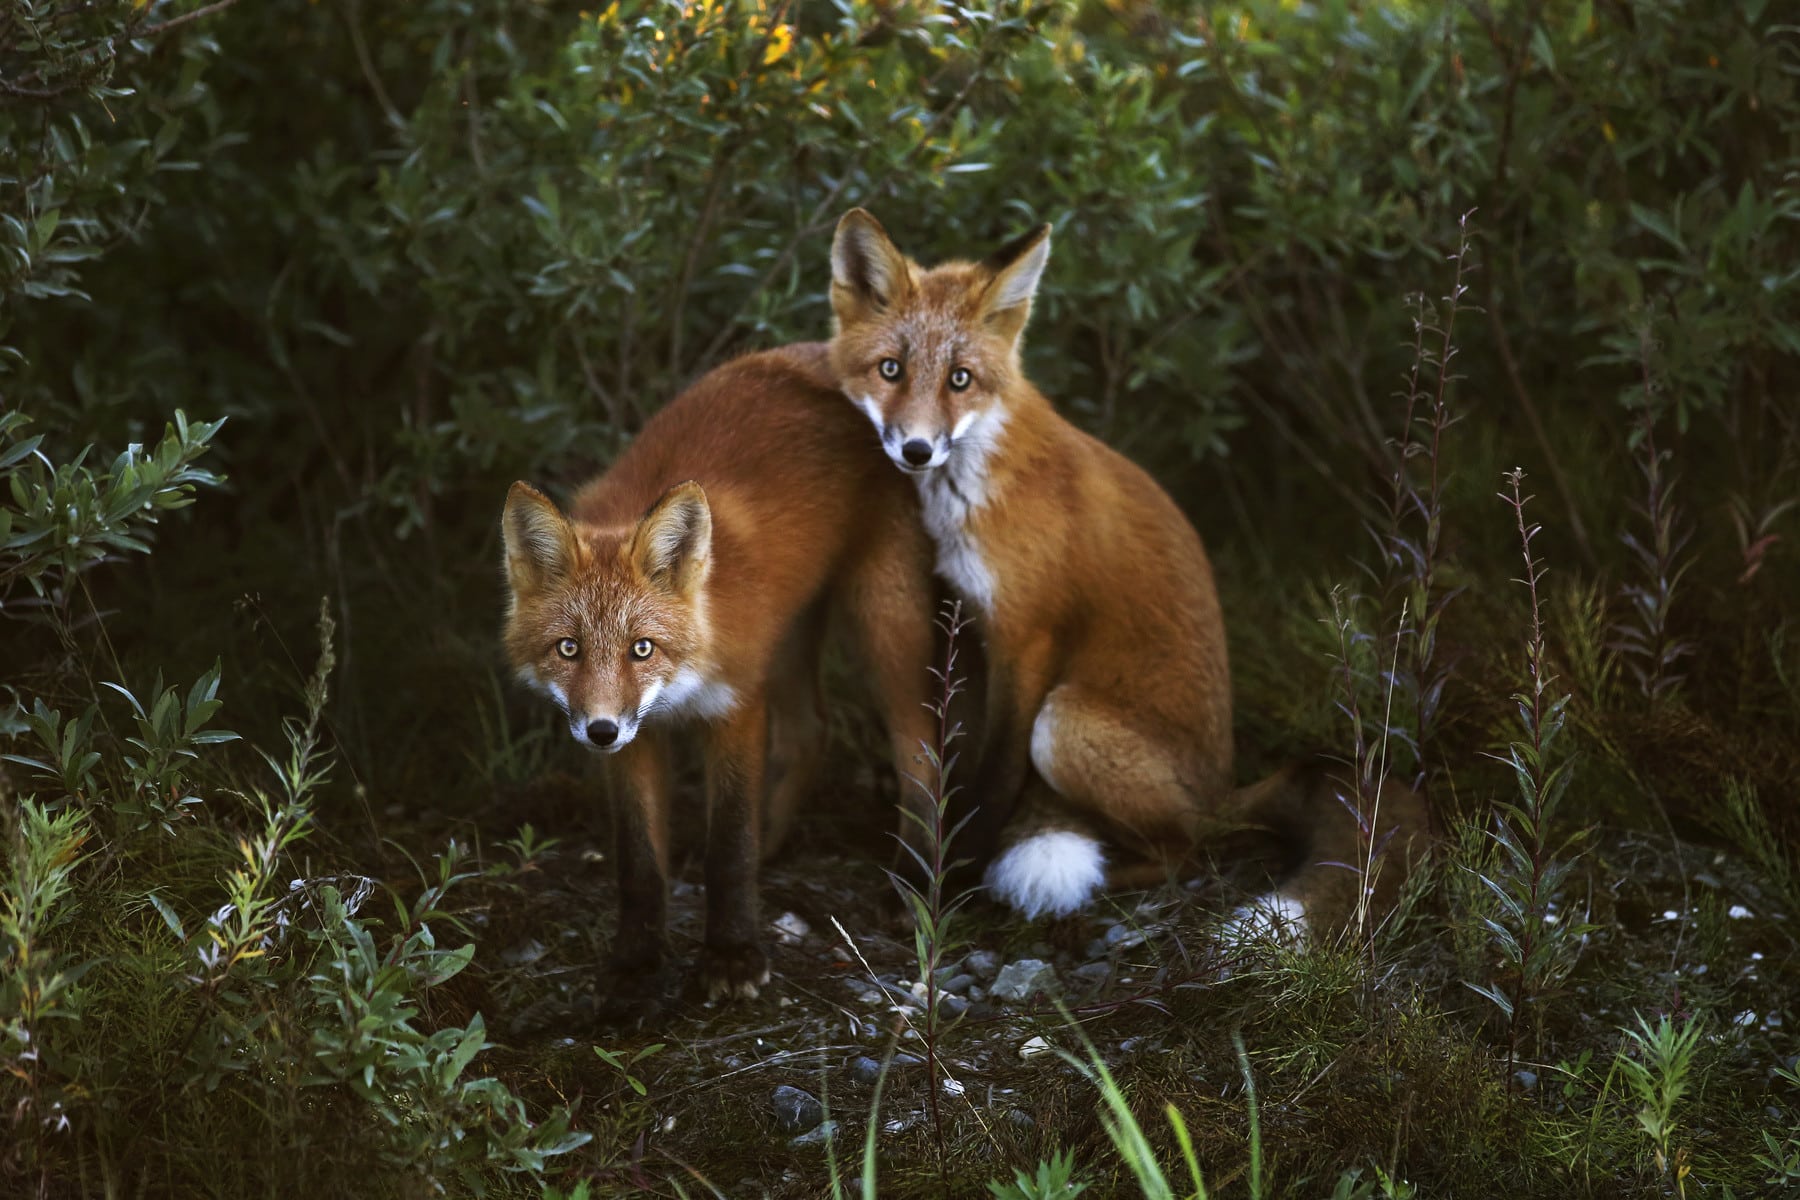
<point x="540" y="543"/>
<point x="672" y="546"/>
<point x="868" y="272"/>
<point x="1014" y="271"/>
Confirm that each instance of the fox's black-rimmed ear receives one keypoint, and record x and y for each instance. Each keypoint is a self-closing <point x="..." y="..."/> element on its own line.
<point x="540" y="542"/>
<point x="672" y="546"/>
<point x="1014" y="271"/>
<point x="868" y="272"/>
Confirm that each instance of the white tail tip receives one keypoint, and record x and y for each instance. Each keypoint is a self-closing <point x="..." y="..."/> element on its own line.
<point x="1048" y="873"/>
<point x="1269" y="918"/>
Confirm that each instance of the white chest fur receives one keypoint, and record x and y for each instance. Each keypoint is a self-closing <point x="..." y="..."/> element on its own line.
<point x="691" y="695"/>
<point x="950" y="497"/>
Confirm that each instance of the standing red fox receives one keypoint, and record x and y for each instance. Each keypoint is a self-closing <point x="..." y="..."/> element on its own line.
<point x="1106" y="645"/>
<point x="689" y="583"/>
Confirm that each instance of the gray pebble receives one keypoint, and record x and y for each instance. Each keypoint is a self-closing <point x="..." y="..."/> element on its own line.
<point x="958" y="985"/>
<point x="1020" y="980"/>
<point x="796" y="1111"/>
<point x="1092" y="974"/>
<point x="815" y="1137"/>
<point x="983" y="964"/>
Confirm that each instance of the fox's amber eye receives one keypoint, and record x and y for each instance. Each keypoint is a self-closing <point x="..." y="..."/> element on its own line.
<point x="960" y="379"/>
<point x="890" y="369"/>
<point x="642" y="648"/>
<point x="568" y="647"/>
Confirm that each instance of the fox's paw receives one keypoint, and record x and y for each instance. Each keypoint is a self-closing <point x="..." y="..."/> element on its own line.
<point x="733" y="972"/>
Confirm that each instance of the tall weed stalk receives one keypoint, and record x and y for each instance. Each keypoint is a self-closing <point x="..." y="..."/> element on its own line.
<point x="1534" y="858"/>
<point x="1643" y="638"/>
<point x="932" y="908"/>
<point x="1412" y="541"/>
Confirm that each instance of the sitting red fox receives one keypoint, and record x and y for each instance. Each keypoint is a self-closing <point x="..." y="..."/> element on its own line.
<point x="687" y="583"/>
<point x="1105" y="642"/>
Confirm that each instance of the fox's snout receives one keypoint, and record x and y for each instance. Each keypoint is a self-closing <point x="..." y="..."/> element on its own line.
<point x="606" y="734"/>
<point x="913" y="452"/>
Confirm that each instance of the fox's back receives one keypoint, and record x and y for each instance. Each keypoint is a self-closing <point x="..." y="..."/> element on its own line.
<point x="767" y="431"/>
<point x="795" y="480"/>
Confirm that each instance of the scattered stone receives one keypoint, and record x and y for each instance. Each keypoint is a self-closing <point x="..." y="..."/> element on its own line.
<point x="903" y="1123"/>
<point x="901" y="995"/>
<point x="796" y="1111"/>
<point x="865" y="1070"/>
<point x="1131" y="1045"/>
<point x="1526" y="1080"/>
<point x="1018" y="1118"/>
<point x="958" y="985"/>
<point x="1096" y="948"/>
<point x="983" y="964"/>
<point x="1020" y="980"/>
<point x="1738" y="912"/>
<point x="945" y="974"/>
<point x="790" y="928"/>
<point x="976" y="994"/>
<point x="908" y="1060"/>
<point x="817" y="1136"/>
<point x="952" y="1006"/>
<point x="954" y="1087"/>
<point x="1034" y="1047"/>
<point x="1092" y="974"/>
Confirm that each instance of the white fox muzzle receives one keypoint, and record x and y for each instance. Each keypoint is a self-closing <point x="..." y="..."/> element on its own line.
<point x="606" y="734"/>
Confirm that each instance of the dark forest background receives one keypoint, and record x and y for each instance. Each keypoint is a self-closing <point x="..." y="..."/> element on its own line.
<point x="290" y="293"/>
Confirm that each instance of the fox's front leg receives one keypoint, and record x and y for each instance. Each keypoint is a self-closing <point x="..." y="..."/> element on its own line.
<point x="636" y="967"/>
<point x="733" y="964"/>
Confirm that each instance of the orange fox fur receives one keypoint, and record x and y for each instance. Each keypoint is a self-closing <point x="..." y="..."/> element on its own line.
<point x="688" y="583"/>
<point x="1109" y="694"/>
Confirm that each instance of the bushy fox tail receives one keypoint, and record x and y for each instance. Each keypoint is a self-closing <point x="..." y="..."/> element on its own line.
<point x="1333" y="851"/>
<point x="1051" y="862"/>
<point x="1054" y="860"/>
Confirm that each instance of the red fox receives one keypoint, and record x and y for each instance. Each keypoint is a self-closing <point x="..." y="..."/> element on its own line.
<point x="1109" y="696"/>
<point x="689" y="583"/>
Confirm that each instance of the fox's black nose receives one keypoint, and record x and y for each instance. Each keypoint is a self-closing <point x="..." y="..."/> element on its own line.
<point x="602" y="733"/>
<point x="916" y="452"/>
